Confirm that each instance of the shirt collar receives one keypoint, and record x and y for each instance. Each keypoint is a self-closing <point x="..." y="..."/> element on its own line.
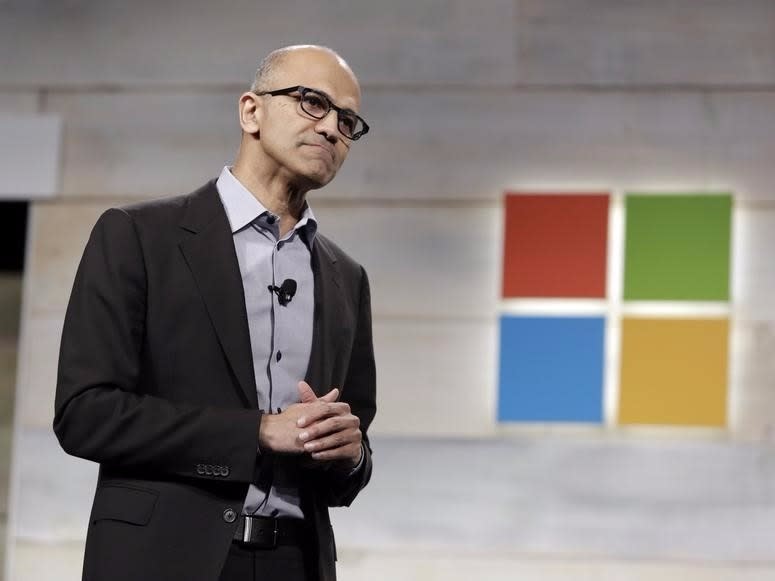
<point x="243" y="208"/>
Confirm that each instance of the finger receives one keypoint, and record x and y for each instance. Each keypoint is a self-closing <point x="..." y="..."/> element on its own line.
<point x="306" y="393"/>
<point x="329" y="425"/>
<point x="349" y="452"/>
<point x="334" y="440"/>
<point x="316" y="412"/>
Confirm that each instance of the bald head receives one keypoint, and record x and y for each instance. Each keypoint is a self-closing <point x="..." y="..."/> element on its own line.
<point x="298" y="54"/>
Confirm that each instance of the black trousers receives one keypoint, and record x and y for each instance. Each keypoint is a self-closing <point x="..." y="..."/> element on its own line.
<point x="283" y="563"/>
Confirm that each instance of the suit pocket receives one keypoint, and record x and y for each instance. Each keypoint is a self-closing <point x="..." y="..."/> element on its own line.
<point x="124" y="503"/>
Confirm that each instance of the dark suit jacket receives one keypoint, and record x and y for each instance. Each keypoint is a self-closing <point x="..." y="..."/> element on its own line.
<point x="156" y="383"/>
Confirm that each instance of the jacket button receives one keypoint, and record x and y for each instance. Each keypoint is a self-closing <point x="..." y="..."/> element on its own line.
<point x="229" y="515"/>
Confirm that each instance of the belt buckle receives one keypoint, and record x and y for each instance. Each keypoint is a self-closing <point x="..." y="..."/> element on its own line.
<point x="248" y="528"/>
<point x="247" y="534"/>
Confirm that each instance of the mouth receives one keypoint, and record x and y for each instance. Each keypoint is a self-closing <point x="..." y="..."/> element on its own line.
<point x="326" y="148"/>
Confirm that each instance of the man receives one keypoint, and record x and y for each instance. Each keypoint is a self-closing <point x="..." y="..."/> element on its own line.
<point x="217" y="357"/>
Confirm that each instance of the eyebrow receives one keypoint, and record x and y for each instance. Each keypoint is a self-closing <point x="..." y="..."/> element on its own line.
<point x="331" y="100"/>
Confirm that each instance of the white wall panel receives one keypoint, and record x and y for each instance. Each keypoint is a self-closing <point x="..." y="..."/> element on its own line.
<point x="752" y="373"/>
<point x="59" y="234"/>
<point x="119" y="43"/>
<point x="662" y="41"/>
<point x="753" y="269"/>
<point x="425" y="261"/>
<point x="18" y="102"/>
<point x="410" y="564"/>
<point x="752" y="381"/>
<point x="37" y="371"/>
<point x="62" y="562"/>
<point x="442" y="144"/>
<point x="608" y="497"/>
<point x="29" y="155"/>
<point x="435" y="378"/>
<point x="50" y="509"/>
<point x="145" y="144"/>
<point x="33" y="560"/>
<point x="495" y="42"/>
<point x="431" y="144"/>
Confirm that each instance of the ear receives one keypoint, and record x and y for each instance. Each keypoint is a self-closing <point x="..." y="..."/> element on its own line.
<point x="250" y="111"/>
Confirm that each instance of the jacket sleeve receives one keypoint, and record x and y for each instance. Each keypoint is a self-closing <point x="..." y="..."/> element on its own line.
<point x="101" y="411"/>
<point x="360" y="391"/>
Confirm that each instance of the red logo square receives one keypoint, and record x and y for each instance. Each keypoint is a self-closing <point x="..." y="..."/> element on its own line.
<point x="555" y="245"/>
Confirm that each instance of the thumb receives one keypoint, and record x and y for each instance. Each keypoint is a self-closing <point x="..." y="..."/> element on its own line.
<point x="306" y="393"/>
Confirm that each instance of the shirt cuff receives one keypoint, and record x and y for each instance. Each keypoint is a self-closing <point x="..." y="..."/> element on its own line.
<point x="360" y="462"/>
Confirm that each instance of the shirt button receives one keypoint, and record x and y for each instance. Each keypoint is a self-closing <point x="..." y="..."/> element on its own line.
<point x="271" y="218"/>
<point x="279" y="355"/>
<point x="229" y="515"/>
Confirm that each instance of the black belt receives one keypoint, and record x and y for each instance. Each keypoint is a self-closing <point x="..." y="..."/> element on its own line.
<point x="262" y="532"/>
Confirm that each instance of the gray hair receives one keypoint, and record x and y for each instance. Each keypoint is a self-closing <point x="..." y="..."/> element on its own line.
<point x="263" y="78"/>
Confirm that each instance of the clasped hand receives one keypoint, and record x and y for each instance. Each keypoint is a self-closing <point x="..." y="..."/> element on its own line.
<point x="322" y="427"/>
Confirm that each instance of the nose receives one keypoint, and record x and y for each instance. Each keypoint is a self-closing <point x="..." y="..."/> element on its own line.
<point x="328" y="126"/>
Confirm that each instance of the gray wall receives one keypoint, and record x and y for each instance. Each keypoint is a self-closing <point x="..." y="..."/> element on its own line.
<point x="467" y="99"/>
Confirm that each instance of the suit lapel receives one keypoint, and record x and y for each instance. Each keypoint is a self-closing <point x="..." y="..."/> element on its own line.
<point x="327" y="313"/>
<point x="213" y="262"/>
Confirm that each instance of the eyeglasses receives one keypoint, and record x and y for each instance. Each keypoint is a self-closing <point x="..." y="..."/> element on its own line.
<point x="317" y="104"/>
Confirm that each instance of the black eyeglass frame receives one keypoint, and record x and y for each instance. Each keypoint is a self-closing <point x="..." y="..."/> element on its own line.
<point x="330" y="105"/>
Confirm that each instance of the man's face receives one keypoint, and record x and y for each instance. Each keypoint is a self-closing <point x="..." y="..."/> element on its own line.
<point x="310" y="151"/>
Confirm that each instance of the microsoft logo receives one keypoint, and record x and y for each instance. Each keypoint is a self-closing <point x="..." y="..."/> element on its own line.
<point x="615" y="308"/>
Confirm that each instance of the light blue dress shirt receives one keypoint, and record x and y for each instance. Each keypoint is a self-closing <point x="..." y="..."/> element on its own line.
<point x="280" y="335"/>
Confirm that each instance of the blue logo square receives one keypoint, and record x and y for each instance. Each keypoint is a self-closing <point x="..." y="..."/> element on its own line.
<point x="551" y="369"/>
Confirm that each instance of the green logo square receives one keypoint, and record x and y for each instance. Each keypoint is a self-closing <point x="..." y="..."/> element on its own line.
<point x="677" y="247"/>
